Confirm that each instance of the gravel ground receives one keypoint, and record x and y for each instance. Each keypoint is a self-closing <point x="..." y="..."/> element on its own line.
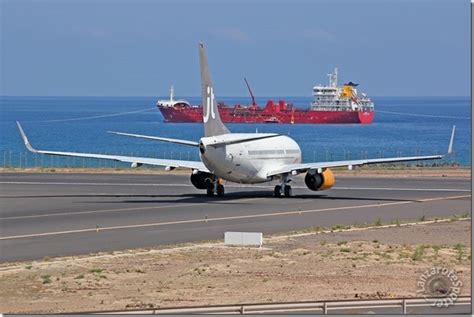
<point x="373" y="263"/>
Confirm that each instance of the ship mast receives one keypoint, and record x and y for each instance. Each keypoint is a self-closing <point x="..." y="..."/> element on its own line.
<point x="171" y="93"/>
<point x="250" y="91"/>
<point x="333" y="78"/>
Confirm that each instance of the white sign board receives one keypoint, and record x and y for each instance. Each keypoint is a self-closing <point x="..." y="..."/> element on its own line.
<point x="243" y="238"/>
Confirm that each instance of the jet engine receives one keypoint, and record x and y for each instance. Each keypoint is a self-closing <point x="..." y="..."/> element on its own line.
<point x="320" y="181"/>
<point x="200" y="180"/>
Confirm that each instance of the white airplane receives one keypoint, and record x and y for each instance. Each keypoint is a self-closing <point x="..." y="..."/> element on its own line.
<point x="246" y="158"/>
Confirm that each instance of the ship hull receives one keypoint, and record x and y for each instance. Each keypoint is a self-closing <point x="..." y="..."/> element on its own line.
<point x="233" y="115"/>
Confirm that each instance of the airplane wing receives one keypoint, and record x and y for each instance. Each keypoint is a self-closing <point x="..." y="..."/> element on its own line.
<point x="156" y="138"/>
<point x="301" y="168"/>
<point x="129" y="159"/>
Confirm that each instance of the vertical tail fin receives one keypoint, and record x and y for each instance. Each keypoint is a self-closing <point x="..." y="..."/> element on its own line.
<point x="212" y="120"/>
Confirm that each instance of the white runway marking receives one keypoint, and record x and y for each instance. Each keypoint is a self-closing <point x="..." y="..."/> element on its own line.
<point x="174" y="205"/>
<point x="234" y="186"/>
<point x="405" y="189"/>
<point x="285" y="213"/>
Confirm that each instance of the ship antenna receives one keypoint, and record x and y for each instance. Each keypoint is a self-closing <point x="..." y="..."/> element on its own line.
<point x="171" y="93"/>
<point x="333" y="78"/>
<point x="250" y="91"/>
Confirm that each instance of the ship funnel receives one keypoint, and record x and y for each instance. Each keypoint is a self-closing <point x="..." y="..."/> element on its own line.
<point x="212" y="121"/>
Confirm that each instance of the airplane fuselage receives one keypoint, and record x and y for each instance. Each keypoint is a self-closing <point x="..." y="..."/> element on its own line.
<point x="248" y="162"/>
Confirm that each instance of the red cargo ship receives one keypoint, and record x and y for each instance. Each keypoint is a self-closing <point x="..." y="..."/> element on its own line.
<point x="331" y="104"/>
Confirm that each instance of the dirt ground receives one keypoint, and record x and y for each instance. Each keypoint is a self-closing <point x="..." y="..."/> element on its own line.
<point x="373" y="171"/>
<point x="309" y="265"/>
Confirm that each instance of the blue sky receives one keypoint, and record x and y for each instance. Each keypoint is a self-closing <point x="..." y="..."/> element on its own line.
<point x="138" y="48"/>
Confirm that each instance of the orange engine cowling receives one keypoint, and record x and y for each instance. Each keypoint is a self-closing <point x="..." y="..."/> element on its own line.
<point x="320" y="181"/>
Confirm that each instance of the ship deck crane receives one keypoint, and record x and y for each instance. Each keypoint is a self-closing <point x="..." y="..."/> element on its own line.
<point x="254" y="104"/>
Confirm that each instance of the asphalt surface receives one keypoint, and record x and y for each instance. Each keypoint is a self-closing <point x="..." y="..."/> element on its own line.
<point x="70" y="214"/>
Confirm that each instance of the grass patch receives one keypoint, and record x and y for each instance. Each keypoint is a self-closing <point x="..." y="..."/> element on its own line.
<point x="345" y="250"/>
<point x="96" y="271"/>
<point x="454" y="217"/>
<point x="460" y="250"/>
<point x="378" y="222"/>
<point x="46" y="279"/>
<point x="342" y="242"/>
<point x="418" y="253"/>
<point x="275" y="254"/>
<point x="436" y="249"/>
<point x="395" y="222"/>
<point x="340" y="227"/>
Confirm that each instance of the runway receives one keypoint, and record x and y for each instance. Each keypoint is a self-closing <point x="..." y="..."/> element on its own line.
<point x="71" y="214"/>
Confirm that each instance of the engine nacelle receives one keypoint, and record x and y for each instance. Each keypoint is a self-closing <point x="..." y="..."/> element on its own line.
<point x="200" y="180"/>
<point x="320" y="181"/>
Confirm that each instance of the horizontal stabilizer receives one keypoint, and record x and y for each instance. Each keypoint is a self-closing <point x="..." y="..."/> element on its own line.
<point x="244" y="139"/>
<point x="156" y="138"/>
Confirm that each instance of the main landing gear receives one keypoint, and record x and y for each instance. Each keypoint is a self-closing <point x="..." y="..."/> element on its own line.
<point x="215" y="187"/>
<point x="283" y="189"/>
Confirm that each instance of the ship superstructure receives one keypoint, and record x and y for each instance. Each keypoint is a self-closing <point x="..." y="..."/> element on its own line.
<point x="334" y="98"/>
<point x="171" y="103"/>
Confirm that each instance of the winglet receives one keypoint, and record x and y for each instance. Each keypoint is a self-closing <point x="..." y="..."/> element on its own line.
<point x="25" y="139"/>
<point x="450" y="147"/>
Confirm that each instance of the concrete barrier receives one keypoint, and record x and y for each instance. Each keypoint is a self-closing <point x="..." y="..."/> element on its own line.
<point x="243" y="238"/>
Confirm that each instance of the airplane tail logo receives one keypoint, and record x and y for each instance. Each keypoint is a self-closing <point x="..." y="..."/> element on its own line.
<point x="212" y="121"/>
<point x="209" y="105"/>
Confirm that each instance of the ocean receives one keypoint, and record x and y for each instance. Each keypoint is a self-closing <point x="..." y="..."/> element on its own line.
<point x="403" y="126"/>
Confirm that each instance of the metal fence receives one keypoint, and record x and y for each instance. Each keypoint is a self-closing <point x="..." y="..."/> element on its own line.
<point x="25" y="159"/>
<point x="397" y="306"/>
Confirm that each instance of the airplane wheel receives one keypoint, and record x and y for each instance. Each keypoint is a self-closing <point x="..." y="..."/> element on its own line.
<point x="277" y="191"/>
<point x="220" y="190"/>
<point x="288" y="191"/>
<point x="210" y="190"/>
